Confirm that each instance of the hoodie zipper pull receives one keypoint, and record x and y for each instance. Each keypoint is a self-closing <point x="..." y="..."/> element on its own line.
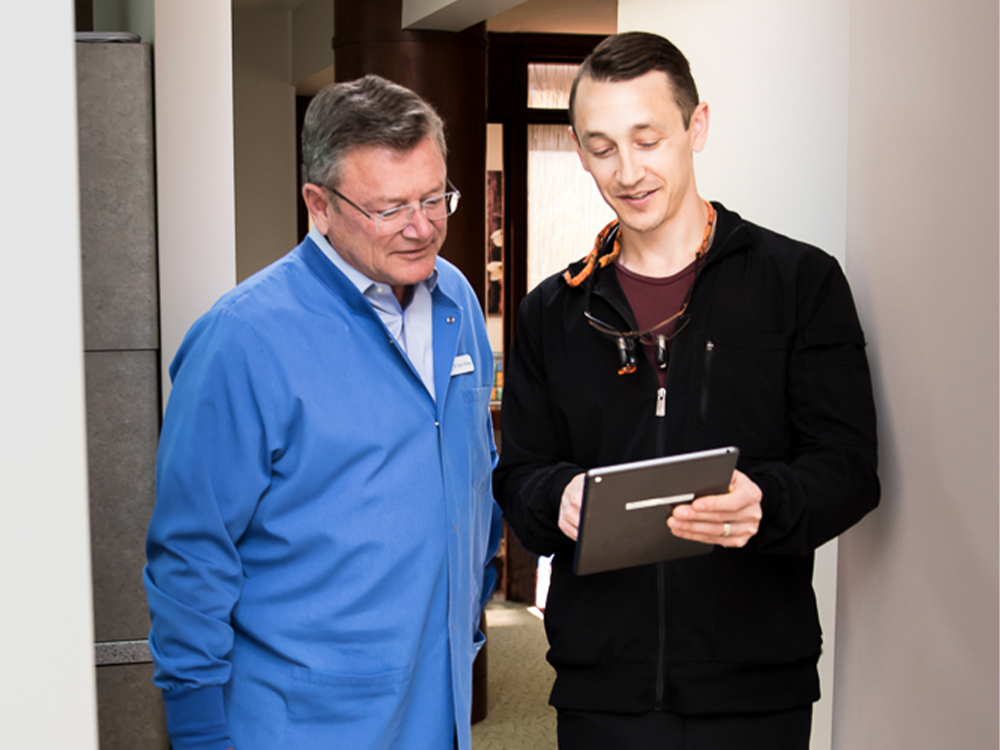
<point x="661" y="402"/>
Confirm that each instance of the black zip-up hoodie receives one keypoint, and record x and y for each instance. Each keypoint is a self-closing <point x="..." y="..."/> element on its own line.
<point x="772" y="361"/>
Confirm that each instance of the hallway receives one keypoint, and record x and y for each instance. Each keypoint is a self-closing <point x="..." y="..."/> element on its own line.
<point x="519" y="682"/>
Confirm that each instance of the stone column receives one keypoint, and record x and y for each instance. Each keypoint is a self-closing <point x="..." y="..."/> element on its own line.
<point x="121" y="342"/>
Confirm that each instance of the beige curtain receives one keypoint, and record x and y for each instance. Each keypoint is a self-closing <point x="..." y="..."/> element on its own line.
<point x="565" y="209"/>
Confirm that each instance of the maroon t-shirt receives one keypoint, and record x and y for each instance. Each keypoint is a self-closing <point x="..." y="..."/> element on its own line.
<point x="653" y="300"/>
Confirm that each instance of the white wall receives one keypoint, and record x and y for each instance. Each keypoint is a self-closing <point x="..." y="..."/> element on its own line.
<point x="47" y="695"/>
<point x="918" y="633"/>
<point x="264" y="138"/>
<point x="774" y="73"/>
<point x="193" y="68"/>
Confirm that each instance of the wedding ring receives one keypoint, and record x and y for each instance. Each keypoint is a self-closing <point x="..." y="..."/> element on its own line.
<point x="726" y="529"/>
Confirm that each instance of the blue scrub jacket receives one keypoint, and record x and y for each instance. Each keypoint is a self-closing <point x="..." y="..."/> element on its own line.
<point x="318" y="557"/>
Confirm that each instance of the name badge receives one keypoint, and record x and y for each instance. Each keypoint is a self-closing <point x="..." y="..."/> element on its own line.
<point x="463" y="364"/>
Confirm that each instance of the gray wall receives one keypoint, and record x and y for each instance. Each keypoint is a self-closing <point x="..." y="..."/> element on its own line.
<point x="121" y="342"/>
<point x="917" y="647"/>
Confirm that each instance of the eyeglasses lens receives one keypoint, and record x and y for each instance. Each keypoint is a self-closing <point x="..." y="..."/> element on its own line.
<point x="435" y="209"/>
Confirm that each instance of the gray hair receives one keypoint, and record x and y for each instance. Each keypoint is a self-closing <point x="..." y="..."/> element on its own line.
<point x="368" y="111"/>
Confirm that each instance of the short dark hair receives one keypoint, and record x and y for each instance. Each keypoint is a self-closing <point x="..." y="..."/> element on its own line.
<point x="368" y="111"/>
<point x="623" y="57"/>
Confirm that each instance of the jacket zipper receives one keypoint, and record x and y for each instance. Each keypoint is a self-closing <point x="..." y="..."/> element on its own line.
<point x="705" y="375"/>
<point x="661" y="573"/>
<point x="661" y="584"/>
<point x="661" y="592"/>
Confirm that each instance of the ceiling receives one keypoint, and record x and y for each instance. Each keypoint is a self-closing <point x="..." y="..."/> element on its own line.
<point x="269" y="4"/>
<point x="533" y="16"/>
<point x="550" y="16"/>
<point x="559" y="17"/>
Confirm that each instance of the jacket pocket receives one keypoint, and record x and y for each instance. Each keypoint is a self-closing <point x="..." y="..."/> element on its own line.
<point x="743" y="389"/>
<point x="345" y="710"/>
<point x="480" y="446"/>
<point x="786" y="630"/>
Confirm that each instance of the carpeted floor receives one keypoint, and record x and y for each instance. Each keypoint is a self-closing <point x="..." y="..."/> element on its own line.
<point x="519" y="680"/>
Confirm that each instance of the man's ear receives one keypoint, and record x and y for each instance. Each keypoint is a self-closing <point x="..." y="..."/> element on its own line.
<point x="579" y="151"/>
<point x="318" y="205"/>
<point x="699" y="126"/>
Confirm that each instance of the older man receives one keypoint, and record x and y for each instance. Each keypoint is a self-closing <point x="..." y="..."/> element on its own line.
<point x="319" y="553"/>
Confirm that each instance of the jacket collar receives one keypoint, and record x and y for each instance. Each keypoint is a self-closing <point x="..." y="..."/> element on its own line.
<point x="731" y="234"/>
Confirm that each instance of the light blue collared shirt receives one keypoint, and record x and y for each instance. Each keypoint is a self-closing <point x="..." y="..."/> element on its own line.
<point x="412" y="328"/>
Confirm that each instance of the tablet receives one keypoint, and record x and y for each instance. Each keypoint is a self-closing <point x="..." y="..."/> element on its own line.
<point x="623" y="518"/>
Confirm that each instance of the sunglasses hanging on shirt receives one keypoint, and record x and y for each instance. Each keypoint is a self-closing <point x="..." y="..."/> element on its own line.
<point x="628" y="341"/>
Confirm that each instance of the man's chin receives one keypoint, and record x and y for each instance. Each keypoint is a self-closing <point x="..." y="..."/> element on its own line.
<point x="639" y="224"/>
<point x="415" y="272"/>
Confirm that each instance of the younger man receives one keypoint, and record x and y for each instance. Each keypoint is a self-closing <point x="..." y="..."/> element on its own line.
<point x="686" y="328"/>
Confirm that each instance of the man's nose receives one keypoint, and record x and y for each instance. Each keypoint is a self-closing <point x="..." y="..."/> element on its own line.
<point x="420" y="227"/>
<point x="630" y="168"/>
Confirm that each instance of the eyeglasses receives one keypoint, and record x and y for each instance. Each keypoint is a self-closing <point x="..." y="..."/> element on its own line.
<point x="392" y="220"/>
<point x="627" y="340"/>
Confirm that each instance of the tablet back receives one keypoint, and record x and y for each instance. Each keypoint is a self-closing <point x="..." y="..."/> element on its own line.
<point x="623" y="519"/>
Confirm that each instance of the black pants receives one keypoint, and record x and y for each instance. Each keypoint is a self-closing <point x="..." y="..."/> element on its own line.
<point x="659" y="730"/>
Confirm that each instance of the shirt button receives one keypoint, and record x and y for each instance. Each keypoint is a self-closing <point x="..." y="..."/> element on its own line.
<point x="451" y="318"/>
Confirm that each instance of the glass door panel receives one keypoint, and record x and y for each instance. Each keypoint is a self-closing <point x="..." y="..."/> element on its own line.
<point x="565" y="209"/>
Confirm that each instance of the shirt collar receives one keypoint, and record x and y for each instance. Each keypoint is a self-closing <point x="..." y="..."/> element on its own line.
<point x="362" y="282"/>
